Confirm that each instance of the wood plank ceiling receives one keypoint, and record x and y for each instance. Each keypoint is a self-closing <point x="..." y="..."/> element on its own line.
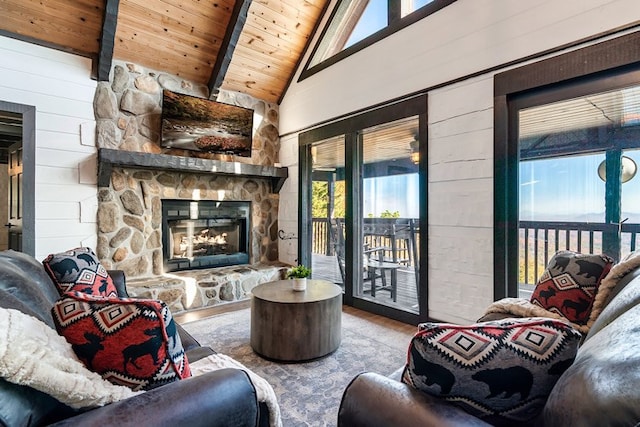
<point x="245" y="46"/>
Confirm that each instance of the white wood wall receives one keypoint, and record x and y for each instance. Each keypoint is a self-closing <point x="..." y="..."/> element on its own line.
<point x="464" y="38"/>
<point x="59" y="86"/>
<point x="288" y="208"/>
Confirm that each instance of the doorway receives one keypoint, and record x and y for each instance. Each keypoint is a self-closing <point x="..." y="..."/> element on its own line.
<point x="13" y="225"/>
<point x="362" y="205"/>
<point x="17" y="177"/>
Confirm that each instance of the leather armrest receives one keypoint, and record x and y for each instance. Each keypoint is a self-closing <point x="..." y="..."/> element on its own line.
<point x="372" y="400"/>
<point x="221" y="398"/>
<point x="187" y="340"/>
<point x="120" y="282"/>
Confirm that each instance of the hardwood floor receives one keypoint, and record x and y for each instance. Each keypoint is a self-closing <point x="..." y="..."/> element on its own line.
<point x="201" y="313"/>
<point x="380" y="320"/>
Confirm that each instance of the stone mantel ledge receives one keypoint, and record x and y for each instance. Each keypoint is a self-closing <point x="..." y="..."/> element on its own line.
<point x="108" y="158"/>
<point x="194" y="289"/>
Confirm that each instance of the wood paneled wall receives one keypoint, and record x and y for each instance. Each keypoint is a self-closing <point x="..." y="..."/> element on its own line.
<point x="75" y="25"/>
<point x="181" y="37"/>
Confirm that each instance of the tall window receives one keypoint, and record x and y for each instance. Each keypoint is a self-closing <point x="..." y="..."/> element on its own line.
<point x="567" y="146"/>
<point x="566" y="198"/>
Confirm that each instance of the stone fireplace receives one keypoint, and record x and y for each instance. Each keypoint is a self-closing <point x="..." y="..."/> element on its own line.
<point x="139" y="181"/>
<point x="204" y="234"/>
<point x="131" y="235"/>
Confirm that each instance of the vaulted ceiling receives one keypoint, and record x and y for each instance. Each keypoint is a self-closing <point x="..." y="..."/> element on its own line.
<point x="244" y="46"/>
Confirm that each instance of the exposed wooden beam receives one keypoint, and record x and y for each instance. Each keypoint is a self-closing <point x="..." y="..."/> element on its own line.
<point x="102" y="64"/>
<point x="231" y="37"/>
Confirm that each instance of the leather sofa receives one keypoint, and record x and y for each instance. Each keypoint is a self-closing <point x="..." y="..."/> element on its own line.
<point x="601" y="387"/>
<point x="224" y="397"/>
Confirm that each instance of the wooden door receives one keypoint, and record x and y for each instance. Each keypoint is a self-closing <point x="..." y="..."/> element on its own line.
<point x="14" y="205"/>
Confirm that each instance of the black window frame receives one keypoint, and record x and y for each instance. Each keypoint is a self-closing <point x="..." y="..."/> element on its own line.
<point x="28" y="113"/>
<point x="602" y="66"/>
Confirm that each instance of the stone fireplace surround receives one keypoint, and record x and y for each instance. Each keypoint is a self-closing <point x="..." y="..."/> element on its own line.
<point x="129" y="221"/>
<point x="135" y="174"/>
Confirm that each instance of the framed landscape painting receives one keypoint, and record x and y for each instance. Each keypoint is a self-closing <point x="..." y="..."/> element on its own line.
<point x="199" y="124"/>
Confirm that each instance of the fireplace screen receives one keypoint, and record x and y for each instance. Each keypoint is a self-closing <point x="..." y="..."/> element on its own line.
<point x="200" y="234"/>
<point x="203" y="237"/>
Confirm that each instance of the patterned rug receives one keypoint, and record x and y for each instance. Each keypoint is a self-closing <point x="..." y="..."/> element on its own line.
<point x="308" y="393"/>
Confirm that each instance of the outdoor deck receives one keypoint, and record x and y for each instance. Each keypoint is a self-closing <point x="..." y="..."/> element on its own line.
<point x="325" y="267"/>
<point x="538" y="243"/>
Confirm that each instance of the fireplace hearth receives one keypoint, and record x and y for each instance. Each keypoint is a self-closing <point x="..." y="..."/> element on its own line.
<point x="204" y="233"/>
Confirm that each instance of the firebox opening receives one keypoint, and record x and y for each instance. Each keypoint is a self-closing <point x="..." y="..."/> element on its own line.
<point x="201" y="234"/>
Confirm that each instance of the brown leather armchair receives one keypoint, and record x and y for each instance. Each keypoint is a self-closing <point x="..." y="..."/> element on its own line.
<point x="220" y="398"/>
<point x="601" y="387"/>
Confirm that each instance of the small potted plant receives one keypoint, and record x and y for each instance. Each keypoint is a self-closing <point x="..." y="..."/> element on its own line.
<point x="299" y="276"/>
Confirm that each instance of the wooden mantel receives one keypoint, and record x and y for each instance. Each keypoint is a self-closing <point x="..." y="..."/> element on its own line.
<point x="109" y="158"/>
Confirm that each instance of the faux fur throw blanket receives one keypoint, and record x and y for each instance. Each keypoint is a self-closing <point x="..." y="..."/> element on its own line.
<point x="521" y="307"/>
<point x="621" y="269"/>
<point x="33" y="354"/>
<point x="264" y="390"/>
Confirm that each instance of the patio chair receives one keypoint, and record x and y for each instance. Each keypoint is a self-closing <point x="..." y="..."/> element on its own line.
<point x="374" y="264"/>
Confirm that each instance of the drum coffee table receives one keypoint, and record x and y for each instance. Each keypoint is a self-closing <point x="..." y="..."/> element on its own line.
<point x="296" y="326"/>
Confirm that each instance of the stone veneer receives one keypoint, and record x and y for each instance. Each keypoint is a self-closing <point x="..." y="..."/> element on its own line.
<point x="186" y="290"/>
<point x="128" y="117"/>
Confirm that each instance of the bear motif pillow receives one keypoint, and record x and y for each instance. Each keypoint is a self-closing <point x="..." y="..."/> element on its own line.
<point x="569" y="284"/>
<point x="500" y="371"/>
<point x="79" y="270"/>
<point x="130" y="342"/>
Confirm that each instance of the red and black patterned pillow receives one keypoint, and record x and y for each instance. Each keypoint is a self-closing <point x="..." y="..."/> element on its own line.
<point x="130" y="342"/>
<point x="79" y="270"/>
<point x="569" y="284"/>
<point x="499" y="371"/>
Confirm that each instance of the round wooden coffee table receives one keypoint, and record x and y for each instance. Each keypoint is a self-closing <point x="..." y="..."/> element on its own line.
<point x="295" y="326"/>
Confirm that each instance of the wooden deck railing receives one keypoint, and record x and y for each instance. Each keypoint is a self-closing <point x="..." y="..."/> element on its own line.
<point x="321" y="242"/>
<point x="539" y="240"/>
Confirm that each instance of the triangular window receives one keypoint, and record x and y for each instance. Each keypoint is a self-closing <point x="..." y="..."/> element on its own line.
<point x="355" y="24"/>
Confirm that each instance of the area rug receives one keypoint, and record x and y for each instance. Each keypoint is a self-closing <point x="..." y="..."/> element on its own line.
<point x="308" y="393"/>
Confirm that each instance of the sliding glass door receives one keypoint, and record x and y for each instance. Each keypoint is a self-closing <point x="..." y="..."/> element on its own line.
<point x="389" y="197"/>
<point x="362" y="181"/>
<point x="328" y="210"/>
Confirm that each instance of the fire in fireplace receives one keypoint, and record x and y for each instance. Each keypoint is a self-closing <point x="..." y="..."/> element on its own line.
<point x="204" y="233"/>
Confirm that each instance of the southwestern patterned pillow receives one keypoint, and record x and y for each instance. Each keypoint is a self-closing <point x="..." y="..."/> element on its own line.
<point x="499" y="371"/>
<point x="79" y="270"/>
<point x="569" y="284"/>
<point x="130" y="342"/>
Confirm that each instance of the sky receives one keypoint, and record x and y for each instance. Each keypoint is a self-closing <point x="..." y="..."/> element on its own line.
<point x="374" y="18"/>
<point x="393" y="193"/>
<point x="561" y="189"/>
<point x="569" y="189"/>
